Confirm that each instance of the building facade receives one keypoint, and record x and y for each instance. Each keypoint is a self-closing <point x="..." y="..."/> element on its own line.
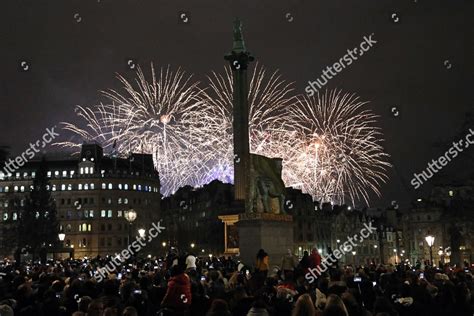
<point x="92" y="192"/>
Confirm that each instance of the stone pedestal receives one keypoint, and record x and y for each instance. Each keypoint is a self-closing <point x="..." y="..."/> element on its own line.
<point x="270" y="232"/>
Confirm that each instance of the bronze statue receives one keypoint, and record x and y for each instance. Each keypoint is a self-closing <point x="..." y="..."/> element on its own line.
<point x="266" y="188"/>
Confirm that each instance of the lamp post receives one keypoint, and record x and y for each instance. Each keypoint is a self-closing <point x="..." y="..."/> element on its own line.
<point x="141" y="232"/>
<point x="130" y="216"/>
<point x="396" y="256"/>
<point x="430" y="241"/>
<point x="193" y="245"/>
<point x="61" y="237"/>
<point x="354" y="258"/>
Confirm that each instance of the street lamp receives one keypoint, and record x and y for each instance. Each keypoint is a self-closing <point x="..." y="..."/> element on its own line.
<point x="130" y="216"/>
<point x="192" y="245"/>
<point x="430" y="241"/>
<point x="354" y="258"/>
<point x="141" y="233"/>
<point x="396" y="256"/>
<point x="61" y="236"/>
<point x="163" y="244"/>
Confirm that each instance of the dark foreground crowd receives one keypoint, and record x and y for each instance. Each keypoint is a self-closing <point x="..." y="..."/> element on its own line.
<point x="186" y="285"/>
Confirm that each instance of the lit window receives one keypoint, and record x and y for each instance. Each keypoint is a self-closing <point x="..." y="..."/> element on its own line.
<point x="69" y="187"/>
<point x="33" y="174"/>
<point x="6" y="188"/>
<point x="63" y="187"/>
<point x="80" y="227"/>
<point x="79" y="186"/>
<point x="120" y="186"/>
<point x="109" y="201"/>
<point x="86" y="214"/>
<point x="56" y="173"/>
<point x="109" y="213"/>
<point x="89" y="227"/>
<point x="71" y="173"/>
<point x="134" y="186"/>
<point x="5" y="216"/>
<point x="14" y="216"/>
<point x="25" y="175"/>
<point x="104" y="186"/>
<point x="68" y="228"/>
<point x="125" y="186"/>
<point x="451" y="193"/>
<point x="139" y="187"/>
<point x="86" y="186"/>
<point x="22" y="188"/>
<point x="49" y="174"/>
<point x="31" y="188"/>
<point x="81" y="171"/>
<point x="15" y="188"/>
<point x="92" y="186"/>
<point x="91" y="213"/>
<point x="64" y="173"/>
<point x="102" y="213"/>
<point x="92" y="168"/>
<point x="125" y="201"/>
<point x="110" y="186"/>
<point x="119" y="213"/>
<point x="119" y="200"/>
<point x="2" y="176"/>
<point x="84" y="227"/>
<point x="47" y="187"/>
<point x="54" y="187"/>
<point x="102" y="172"/>
<point x="17" y="175"/>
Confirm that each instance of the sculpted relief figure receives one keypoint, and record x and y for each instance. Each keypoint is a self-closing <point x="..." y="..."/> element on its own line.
<point x="266" y="188"/>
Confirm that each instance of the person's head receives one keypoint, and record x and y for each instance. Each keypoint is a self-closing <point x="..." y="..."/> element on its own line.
<point x="261" y="254"/>
<point x="289" y="252"/>
<point x="110" y="311"/>
<point x="351" y="303"/>
<point x="219" y="307"/>
<point x="78" y="313"/>
<point x="383" y="305"/>
<point x="305" y="253"/>
<point x="335" y="307"/>
<point x="96" y="308"/>
<point x="83" y="304"/>
<point x="304" y="306"/>
<point x="130" y="311"/>
<point x="6" y="310"/>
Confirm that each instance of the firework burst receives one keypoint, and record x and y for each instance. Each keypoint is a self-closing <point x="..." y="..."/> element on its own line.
<point x="158" y="117"/>
<point x="330" y="145"/>
<point x="337" y="153"/>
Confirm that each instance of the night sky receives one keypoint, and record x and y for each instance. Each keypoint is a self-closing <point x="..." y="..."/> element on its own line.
<point x="421" y="64"/>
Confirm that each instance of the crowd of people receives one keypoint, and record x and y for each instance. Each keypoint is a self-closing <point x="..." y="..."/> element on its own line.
<point x="183" y="284"/>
